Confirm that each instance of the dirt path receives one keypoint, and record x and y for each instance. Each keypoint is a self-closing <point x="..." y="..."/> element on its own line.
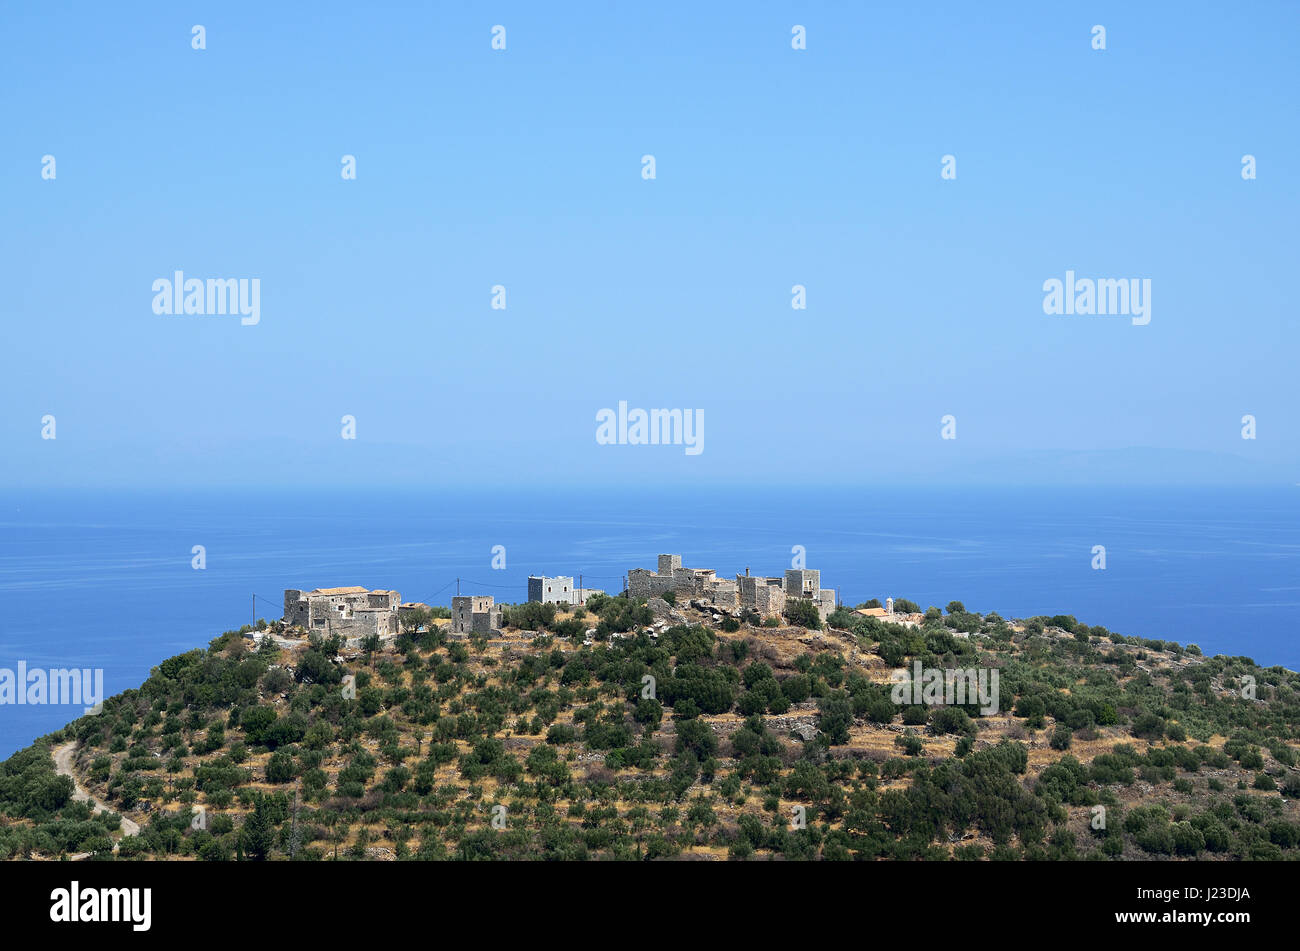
<point x="63" y="766"/>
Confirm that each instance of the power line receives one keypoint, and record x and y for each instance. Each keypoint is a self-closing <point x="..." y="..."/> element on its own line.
<point x="428" y="598"/>
<point x="257" y="597"/>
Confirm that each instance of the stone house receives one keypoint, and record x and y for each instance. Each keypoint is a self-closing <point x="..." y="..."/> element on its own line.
<point x="350" y="612"/>
<point x="558" y="590"/>
<point x="474" y="614"/>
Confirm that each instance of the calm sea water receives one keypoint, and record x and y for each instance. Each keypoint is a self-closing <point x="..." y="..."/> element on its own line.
<point x="105" y="580"/>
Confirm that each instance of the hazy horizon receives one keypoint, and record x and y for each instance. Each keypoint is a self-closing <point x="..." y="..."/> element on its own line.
<point x="325" y="469"/>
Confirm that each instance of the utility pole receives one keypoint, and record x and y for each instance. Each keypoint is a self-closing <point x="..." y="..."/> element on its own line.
<point x="458" y="587"/>
<point x="254" y="609"/>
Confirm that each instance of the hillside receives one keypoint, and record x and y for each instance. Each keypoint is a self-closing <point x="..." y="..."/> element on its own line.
<point x="750" y="742"/>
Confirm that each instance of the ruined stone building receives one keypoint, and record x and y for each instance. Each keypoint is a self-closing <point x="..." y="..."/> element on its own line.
<point x="699" y="583"/>
<point x="346" y="612"/>
<point x="766" y="596"/>
<point x="769" y="596"/>
<point x="807" y="583"/>
<point x="763" y="595"/>
<point x="474" y="614"/>
<point x="558" y="590"/>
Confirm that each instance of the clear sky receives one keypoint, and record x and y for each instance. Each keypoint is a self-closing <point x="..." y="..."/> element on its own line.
<point x="523" y="168"/>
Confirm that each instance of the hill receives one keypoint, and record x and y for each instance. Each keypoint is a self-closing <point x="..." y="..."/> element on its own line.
<point x="629" y="730"/>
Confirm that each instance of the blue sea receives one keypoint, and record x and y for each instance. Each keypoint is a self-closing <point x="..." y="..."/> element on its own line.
<point x="105" y="580"/>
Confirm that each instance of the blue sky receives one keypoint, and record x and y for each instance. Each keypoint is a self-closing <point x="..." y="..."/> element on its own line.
<point x="775" y="167"/>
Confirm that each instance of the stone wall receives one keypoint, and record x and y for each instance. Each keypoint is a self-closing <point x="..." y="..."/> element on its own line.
<point x="724" y="594"/>
<point x="643" y="583"/>
<point x="769" y="600"/>
<point x="363" y="625"/>
<point x="826" y="603"/>
<point x="693" y="582"/>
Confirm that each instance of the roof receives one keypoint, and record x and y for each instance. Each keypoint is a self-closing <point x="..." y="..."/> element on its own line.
<point x="353" y="589"/>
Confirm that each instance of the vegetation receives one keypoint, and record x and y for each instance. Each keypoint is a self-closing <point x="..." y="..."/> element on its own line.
<point x="611" y="734"/>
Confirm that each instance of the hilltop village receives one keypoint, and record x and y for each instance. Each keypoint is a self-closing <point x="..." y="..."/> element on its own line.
<point x="687" y="720"/>
<point x="355" y="613"/>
